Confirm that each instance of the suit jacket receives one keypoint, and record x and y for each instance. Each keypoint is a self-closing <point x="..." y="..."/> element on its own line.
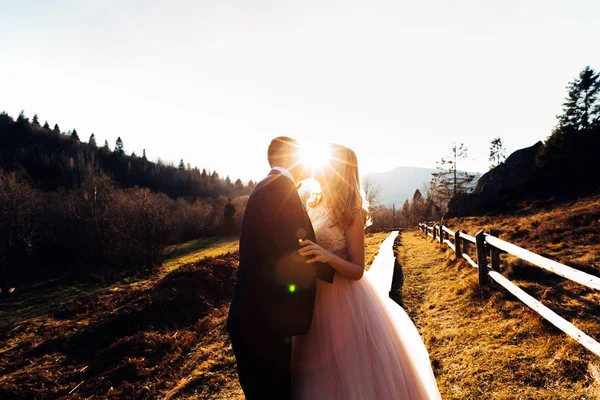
<point x="275" y="289"/>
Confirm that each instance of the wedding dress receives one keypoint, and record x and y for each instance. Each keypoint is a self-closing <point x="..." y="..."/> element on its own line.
<point x="357" y="348"/>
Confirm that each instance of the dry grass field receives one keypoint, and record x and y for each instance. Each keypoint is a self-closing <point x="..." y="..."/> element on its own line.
<point x="485" y="344"/>
<point x="568" y="233"/>
<point x="164" y="337"/>
<point x="160" y="337"/>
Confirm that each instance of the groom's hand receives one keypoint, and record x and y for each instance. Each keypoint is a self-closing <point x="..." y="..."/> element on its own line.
<point x="309" y="248"/>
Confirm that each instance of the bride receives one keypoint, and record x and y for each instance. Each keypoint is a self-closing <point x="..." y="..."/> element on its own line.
<point x="356" y="348"/>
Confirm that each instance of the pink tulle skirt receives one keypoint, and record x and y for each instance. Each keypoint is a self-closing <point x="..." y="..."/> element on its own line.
<point x="360" y="346"/>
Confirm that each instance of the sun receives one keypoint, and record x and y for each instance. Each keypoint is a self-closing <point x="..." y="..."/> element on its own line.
<point x="315" y="154"/>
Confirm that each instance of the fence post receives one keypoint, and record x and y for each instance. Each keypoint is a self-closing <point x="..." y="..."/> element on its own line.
<point x="442" y="234"/>
<point x="481" y="258"/>
<point x="457" y="244"/>
<point x="465" y="244"/>
<point x="495" y="253"/>
<point x="434" y="232"/>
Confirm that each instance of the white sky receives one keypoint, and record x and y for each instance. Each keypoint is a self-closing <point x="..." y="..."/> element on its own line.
<point x="213" y="81"/>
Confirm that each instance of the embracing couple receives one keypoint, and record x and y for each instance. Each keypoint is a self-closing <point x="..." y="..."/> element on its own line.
<point x="304" y="322"/>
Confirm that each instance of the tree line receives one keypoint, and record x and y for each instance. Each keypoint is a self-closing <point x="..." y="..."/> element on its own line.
<point x="73" y="209"/>
<point x="419" y="208"/>
<point x="53" y="159"/>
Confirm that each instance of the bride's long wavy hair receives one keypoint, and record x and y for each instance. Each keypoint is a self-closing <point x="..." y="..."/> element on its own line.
<point x="341" y="189"/>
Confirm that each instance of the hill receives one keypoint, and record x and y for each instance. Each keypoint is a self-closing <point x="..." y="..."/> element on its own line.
<point x="400" y="184"/>
<point x="50" y="159"/>
<point x="162" y="336"/>
<point x="526" y="177"/>
<point x="73" y="209"/>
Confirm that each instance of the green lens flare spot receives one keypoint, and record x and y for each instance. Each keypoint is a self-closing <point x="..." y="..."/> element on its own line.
<point x="292" y="288"/>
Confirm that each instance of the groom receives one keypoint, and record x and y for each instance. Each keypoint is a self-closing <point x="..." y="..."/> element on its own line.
<point x="275" y="291"/>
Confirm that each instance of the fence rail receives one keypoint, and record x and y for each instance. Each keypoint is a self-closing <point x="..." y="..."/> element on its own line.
<point x="488" y="245"/>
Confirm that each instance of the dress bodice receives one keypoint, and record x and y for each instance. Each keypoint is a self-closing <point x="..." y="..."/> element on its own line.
<point x="329" y="236"/>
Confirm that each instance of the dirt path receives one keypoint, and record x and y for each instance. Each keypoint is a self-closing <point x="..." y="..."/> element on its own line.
<point x="482" y="344"/>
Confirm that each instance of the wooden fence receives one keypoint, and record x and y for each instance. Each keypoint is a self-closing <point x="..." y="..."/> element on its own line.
<point x="486" y="245"/>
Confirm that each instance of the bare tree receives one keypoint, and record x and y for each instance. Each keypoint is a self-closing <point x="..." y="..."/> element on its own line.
<point x="372" y="191"/>
<point x="450" y="180"/>
<point x="433" y="195"/>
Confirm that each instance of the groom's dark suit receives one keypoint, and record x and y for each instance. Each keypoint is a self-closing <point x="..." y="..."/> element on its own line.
<point x="275" y="290"/>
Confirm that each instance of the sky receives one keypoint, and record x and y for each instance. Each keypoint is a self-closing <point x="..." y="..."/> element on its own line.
<point x="212" y="82"/>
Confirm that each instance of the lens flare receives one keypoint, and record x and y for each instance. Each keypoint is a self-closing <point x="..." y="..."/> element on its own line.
<point x="315" y="155"/>
<point x="292" y="288"/>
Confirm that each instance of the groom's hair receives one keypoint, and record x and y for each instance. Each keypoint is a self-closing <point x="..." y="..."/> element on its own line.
<point x="276" y="149"/>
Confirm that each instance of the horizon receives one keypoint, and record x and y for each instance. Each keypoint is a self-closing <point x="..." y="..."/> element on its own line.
<point x="212" y="83"/>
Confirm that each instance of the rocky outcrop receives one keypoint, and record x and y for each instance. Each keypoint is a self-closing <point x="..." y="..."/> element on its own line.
<point x="516" y="179"/>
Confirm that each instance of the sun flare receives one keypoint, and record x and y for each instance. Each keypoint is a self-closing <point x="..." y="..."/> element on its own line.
<point x="315" y="155"/>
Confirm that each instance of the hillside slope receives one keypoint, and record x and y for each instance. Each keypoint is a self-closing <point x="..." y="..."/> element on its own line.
<point x="160" y="337"/>
<point x="484" y="344"/>
<point x="568" y="232"/>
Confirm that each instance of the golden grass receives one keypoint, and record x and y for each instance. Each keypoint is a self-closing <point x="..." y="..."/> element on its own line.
<point x="568" y="233"/>
<point x="195" y="250"/>
<point x="44" y="300"/>
<point x="211" y="366"/>
<point x="372" y="243"/>
<point x="484" y="344"/>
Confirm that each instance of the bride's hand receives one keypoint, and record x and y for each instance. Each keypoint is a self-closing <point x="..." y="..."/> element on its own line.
<point x="309" y="248"/>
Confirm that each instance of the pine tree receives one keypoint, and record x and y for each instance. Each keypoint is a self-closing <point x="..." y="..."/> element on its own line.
<point x="214" y="177"/>
<point x="56" y="129"/>
<point x="46" y="126"/>
<point x="417" y="206"/>
<point x="181" y="165"/>
<point x="450" y="181"/>
<point x="405" y="213"/>
<point x="239" y="186"/>
<point x="22" y="119"/>
<point x="106" y="147"/>
<point x="229" y="217"/>
<point x="497" y="152"/>
<point x="92" y="141"/>
<point x="35" y="120"/>
<point x="5" y="118"/>
<point x="119" y="150"/>
<point x="581" y="109"/>
<point x="572" y="148"/>
<point x="74" y="134"/>
<point x="133" y="155"/>
<point x="144" y="161"/>
<point x="251" y="184"/>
